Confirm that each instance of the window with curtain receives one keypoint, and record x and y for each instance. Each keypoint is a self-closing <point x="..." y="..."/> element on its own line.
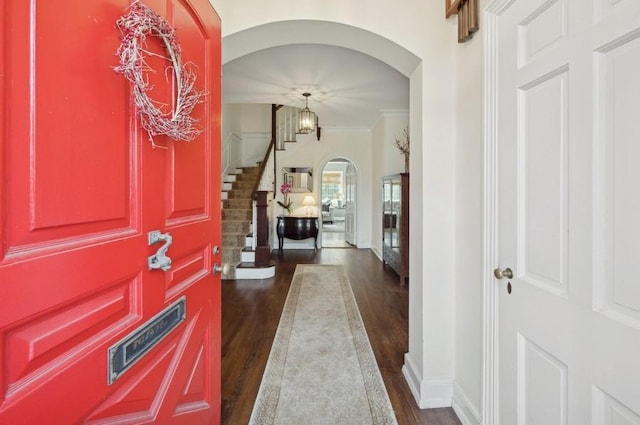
<point x="332" y="185"/>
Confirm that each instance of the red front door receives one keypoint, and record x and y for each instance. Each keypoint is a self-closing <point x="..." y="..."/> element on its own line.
<point x="81" y="188"/>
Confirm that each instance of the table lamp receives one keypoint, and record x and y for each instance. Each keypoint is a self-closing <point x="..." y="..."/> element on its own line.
<point x="309" y="202"/>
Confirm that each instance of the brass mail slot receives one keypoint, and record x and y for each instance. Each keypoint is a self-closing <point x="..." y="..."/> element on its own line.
<point x="126" y="352"/>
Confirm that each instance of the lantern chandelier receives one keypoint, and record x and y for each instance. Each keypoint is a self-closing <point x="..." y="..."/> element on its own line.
<point x="306" y="118"/>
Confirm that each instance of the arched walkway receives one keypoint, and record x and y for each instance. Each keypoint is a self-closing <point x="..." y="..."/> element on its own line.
<point x="338" y="203"/>
<point x="318" y="32"/>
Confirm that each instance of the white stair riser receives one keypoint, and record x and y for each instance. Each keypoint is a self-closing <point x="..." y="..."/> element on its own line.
<point x="248" y="256"/>
<point x="257" y="273"/>
<point x="231" y="176"/>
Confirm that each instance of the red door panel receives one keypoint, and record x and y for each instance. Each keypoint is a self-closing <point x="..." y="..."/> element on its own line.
<point x="53" y="116"/>
<point x="82" y="187"/>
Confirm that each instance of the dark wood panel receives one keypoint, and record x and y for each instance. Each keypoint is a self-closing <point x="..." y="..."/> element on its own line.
<point x="251" y="312"/>
<point x="395" y="224"/>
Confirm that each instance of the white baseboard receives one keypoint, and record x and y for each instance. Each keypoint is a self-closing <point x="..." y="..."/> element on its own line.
<point x="377" y="252"/>
<point x="430" y="393"/>
<point x="411" y="376"/>
<point x="466" y="411"/>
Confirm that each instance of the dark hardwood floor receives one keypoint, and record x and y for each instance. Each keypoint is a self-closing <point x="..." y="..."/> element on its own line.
<point x="251" y="312"/>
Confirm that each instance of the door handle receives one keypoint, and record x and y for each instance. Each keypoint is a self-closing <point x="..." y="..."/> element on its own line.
<point x="160" y="260"/>
<point x="499" y="273"/>
<point x="217" y="268"/>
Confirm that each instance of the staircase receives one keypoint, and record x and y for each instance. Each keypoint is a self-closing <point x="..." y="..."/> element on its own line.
<point x="237" y="232"/>
<point x="237" y="205"/>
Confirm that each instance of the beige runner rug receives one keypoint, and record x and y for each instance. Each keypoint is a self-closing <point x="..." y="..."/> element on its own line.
<point x="321" y="369"/>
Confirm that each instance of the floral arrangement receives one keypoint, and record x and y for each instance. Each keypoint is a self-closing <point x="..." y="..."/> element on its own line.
<point x="286" y="203"/>
<point x="177" y="123"/>
<point x="402" y="143"/>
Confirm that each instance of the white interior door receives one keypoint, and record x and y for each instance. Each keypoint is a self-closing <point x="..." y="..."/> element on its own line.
<point x="568" y="212"/>
<point x="350" y="205"/>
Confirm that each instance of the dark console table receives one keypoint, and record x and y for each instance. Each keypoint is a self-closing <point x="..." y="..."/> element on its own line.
<point x="297" y="228"/>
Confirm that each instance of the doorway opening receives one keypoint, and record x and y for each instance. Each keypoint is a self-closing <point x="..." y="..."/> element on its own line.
<point x="338" y="203"/>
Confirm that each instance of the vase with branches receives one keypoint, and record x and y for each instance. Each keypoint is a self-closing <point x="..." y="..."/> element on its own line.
<point x="402" y="143"/>
<point x="286" y="203"/>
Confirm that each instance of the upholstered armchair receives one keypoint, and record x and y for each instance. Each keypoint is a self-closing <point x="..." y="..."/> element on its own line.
<point x="327" y="213"/>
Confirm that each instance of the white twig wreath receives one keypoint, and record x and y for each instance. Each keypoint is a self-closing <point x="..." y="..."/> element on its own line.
<point x="178" y="123"/>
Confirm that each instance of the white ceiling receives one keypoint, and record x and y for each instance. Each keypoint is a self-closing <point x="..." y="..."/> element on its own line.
<point x="348" y="89"/>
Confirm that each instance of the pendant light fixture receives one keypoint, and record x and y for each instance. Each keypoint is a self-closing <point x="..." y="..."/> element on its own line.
<point x="306" y="118"/>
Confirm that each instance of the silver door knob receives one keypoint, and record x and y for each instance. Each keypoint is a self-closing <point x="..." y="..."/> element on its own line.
<point x="499" y="273"/>
<point x="224" y="269"/>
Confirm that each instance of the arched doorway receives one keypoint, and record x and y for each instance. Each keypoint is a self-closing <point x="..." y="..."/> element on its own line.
<point x="338" y="203"/>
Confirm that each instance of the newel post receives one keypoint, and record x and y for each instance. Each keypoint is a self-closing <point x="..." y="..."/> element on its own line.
<point x="263" y="248"/>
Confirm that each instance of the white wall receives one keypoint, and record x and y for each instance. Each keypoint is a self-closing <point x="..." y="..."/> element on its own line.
<point x="429" y="364"/>
<point x="444" y="115"/>
<point x="256" y="118"/>
<point x="246" y="132"/>
<point x="231" y="129"/>
<point x="469" y="244"/>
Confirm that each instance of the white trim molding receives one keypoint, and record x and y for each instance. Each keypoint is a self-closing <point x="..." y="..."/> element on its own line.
<point x="430" y="393"/>
<point x="328" y="129"/>
<point x="391" y="113"/>
<point x="490" y="332"/>
<point x="466" y="411"/>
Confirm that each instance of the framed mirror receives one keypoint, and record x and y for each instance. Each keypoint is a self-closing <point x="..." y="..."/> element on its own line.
<point x="300" y="178"/>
